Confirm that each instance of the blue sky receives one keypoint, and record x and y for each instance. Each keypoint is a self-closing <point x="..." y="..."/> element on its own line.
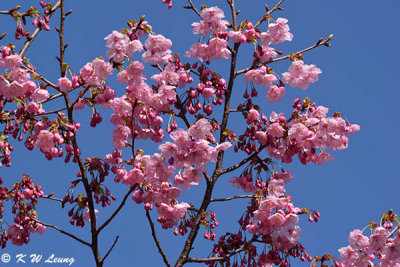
<point x="359" y="79"/>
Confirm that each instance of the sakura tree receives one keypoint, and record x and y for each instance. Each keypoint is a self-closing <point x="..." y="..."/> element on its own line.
<point x="186" y="110"/>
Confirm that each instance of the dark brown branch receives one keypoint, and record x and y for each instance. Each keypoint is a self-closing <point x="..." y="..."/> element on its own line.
<point x="111" y="248"/>
<point x="42" y="78"/>
<point x="242" y="248"/>
<point x="194" y="8"/>
<point x="57" y="96"/>
<point x="53" y="111"/>
<point x="153" y="233"/>
<point x="196" y="225"/>
<point x="117" y="210"/>
<point x="207" y="177"/>
<point x="267" y="14"/>
<point x="183" y="257"/>
<point x="231" y="198"/>
<point x="238" y="165"/>
<point x="62" y="231"/>
<point x="37" y="31"/>
<point x="317" y="44"/>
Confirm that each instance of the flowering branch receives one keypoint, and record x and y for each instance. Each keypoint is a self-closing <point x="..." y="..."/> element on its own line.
<point x="317" y="44"/>
<point x="241" y="163"/>
<point x="153" y="233"/>
<point x="52" y="198"/>
<point x="111" y="248"/>
<point x="228" y="255"/>
<point x="193" y="8"/>
<point x="37" y="31"/>
<point x="268" y="13"/>
<point x="62" y="231"/>
<point x="117" y="210"/>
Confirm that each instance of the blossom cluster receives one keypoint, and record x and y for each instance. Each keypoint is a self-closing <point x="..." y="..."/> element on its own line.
<point x="191" y="151"/>
<point x="305" y="135"/>
<point x="24" y="197"/>
<point x="17" y="82"/>
<point x="301" y="75"/>
<point x="379" y="246"/>
<point x="212" y="23"/>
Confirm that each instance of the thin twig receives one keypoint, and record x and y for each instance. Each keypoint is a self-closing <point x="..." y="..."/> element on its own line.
<point x="242" y="248"/>
<point x="42" y="78"/>
<point x="153" y="233"/>
<point x="111" y="248"/>
<point x="231" y="198"/>
<point x="117" y="210"/>
<point x="53" y="111"/>
<point x="37" y="31"/>
<point x="194" y="8"/>
<point x="241" y="163"/>
<point x="268" y="13"/>
<point x="393" y="231"/>
<point x="319" y="43"/>
<point x="52" y="97"/>
<point x="53" y="198"/>
<point x="62" y="231"/>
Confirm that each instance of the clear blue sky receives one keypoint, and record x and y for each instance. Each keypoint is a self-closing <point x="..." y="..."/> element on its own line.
<point x="360" y="79"/>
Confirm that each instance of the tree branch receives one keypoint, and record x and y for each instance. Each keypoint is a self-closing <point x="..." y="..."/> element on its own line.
<point x="317" y="44"/>
<point x="37" y="31"/>
<point x="153" y="233"/>
<point x="117" y="210"/>
<point x="238" y="165"/>
<point x="267" y="14"/>
<point x="242" y="248"/>
<point x="393" y="231"/>
<point x="231" y="198"/>
<point x="233" y="12"/>
<point x="62" y="231"/>
<point x="52" y="198"/>
<point x="194" y="8"/>
<point x="111" y="248"/>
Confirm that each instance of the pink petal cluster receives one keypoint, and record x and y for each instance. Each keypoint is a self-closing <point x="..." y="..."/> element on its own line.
<point x="278" y="32"/>
<point x="260" y="76"/>
<point x="301" y="75"/>
<point x="150" y="174"/>
<point x="265" y="53"/>
<point x="305" y="135"/>
<point x="364" y="250"/>
<point x="46" y="142"/>
<point x="18" y="82"/>
<point x="275" y="93"/>
<point x="93" y="73"/>
<point x="211" y="22"/>
<point x="245" y="182"/>
<point x="169" y="216"/>
<point x="64" y="84"/>
<point x="158" y="49"/>
<point x="86" y="216"/>
<point x="276" y="215"/>
<point x="191" y="151"/>
<point x="144" y="117"/>
<point x="214" y="49"/>
<point x="120" y="46"/>
<point x="173" y="75"/>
